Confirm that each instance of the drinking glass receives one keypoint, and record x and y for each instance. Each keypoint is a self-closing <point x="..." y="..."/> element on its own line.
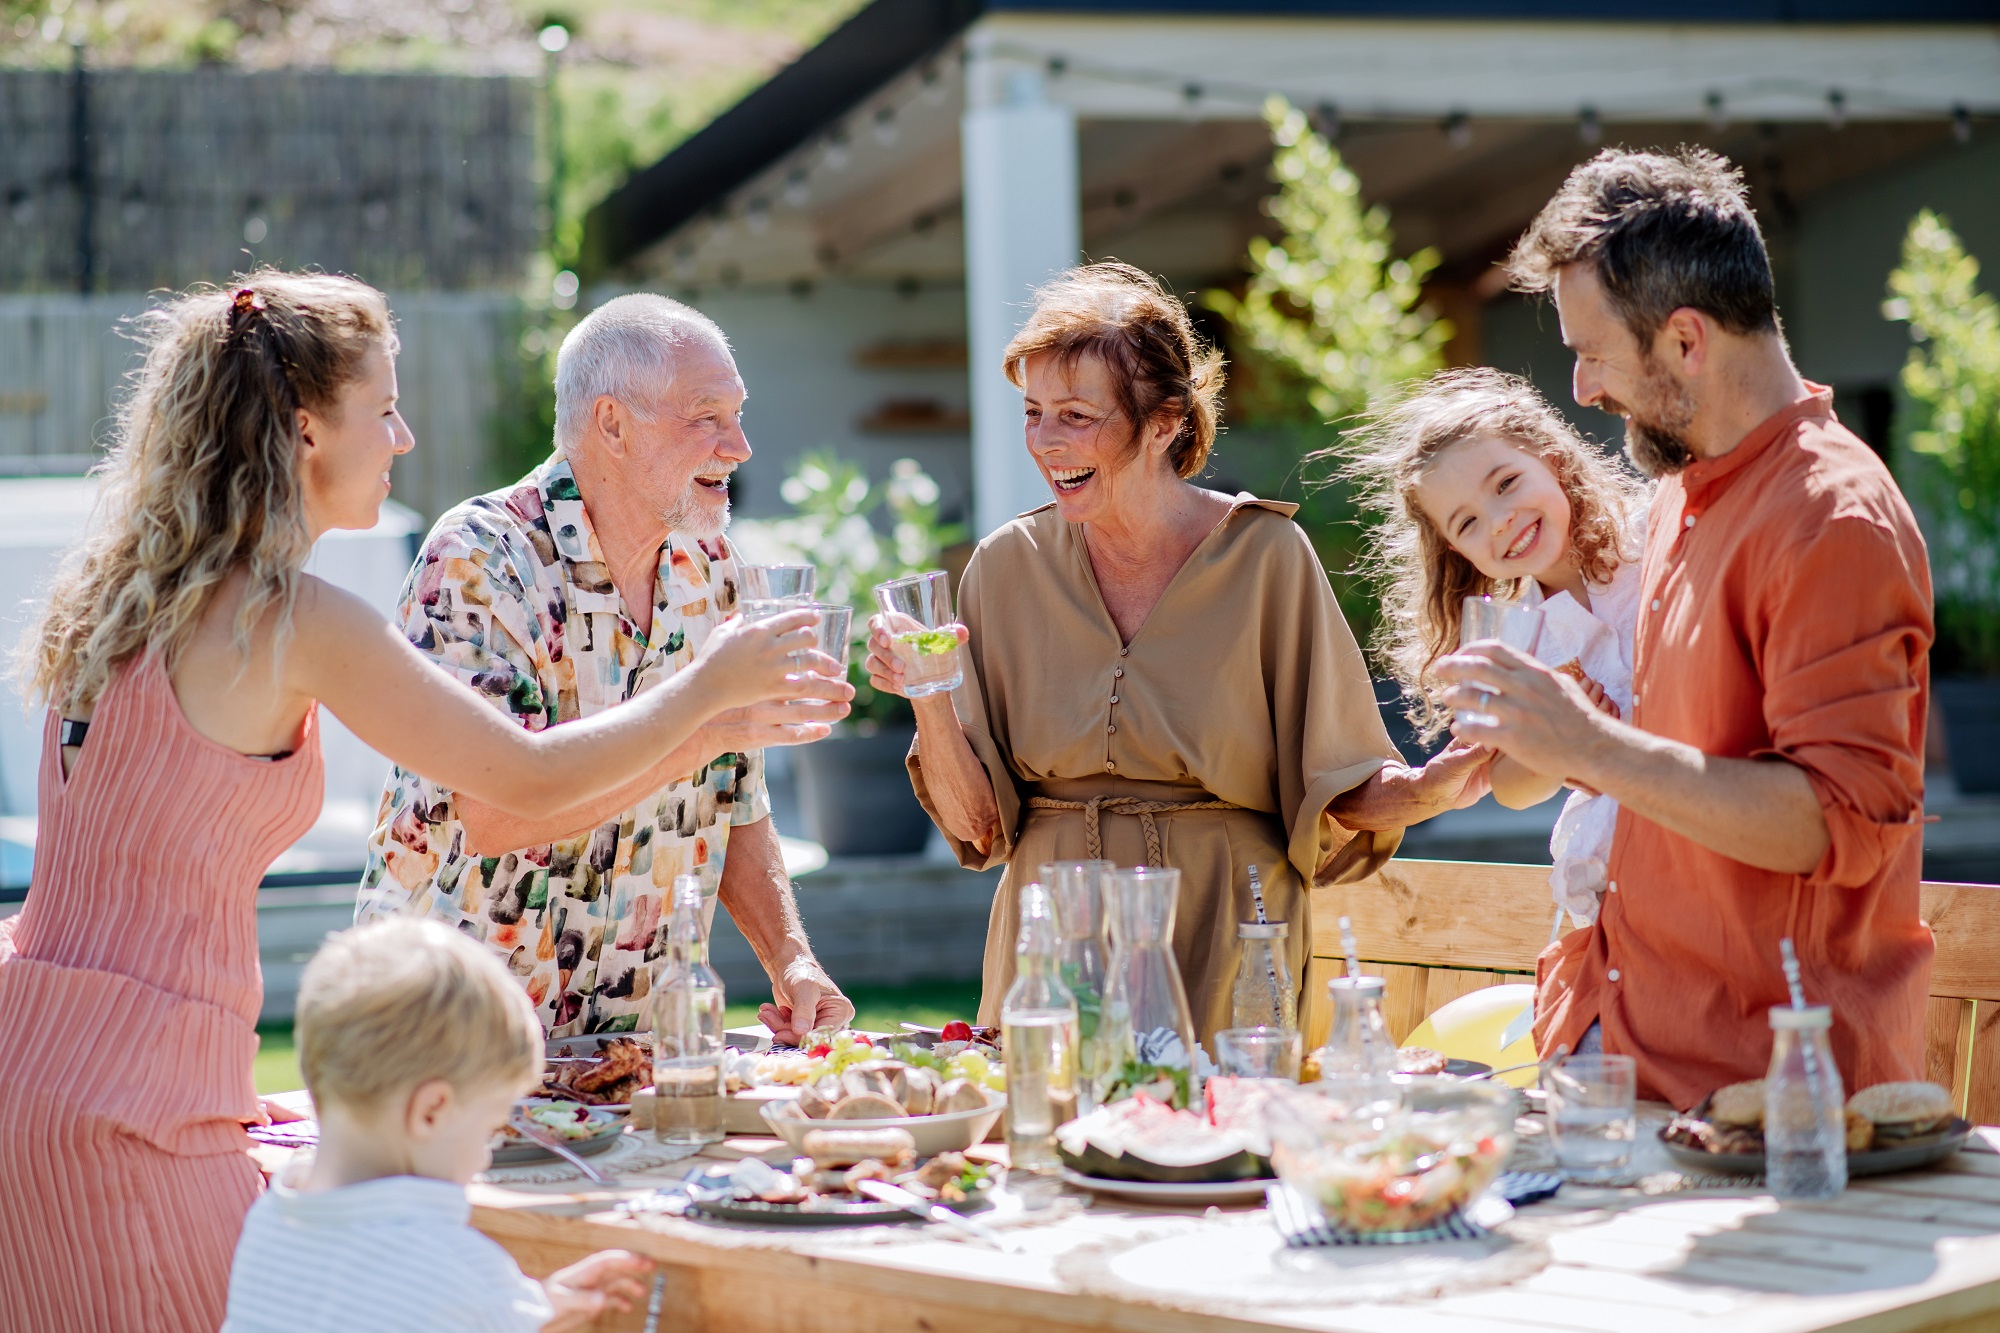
<point x="831" y="624"/>
<point x="788" y="583"/>
<point x="1260" y="1052"/>
<point x="1488" y="618"/>
<point x="916" y="614"/>
<point x="764" y="608"/>
<point x="1357" y="1043"/>
<point x="1592" y="1118"/>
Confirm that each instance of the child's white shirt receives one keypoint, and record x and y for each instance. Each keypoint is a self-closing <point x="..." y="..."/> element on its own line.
<point x="1596" y="640"/>
<point x="393" y="1254"/>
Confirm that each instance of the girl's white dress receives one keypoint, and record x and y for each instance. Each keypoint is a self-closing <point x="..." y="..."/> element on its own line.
<point x="1595" y="641"/>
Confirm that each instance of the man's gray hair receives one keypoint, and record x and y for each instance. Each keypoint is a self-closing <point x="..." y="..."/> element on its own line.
<point x="625" y="349"/>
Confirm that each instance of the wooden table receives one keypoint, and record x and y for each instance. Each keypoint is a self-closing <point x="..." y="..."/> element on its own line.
<point x="1909" y="1252"/>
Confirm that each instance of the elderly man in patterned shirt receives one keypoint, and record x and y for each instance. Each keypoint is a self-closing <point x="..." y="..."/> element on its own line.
<point x="599" y="574"/>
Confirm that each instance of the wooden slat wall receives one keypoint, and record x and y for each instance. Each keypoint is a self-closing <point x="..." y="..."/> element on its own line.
<point x="1440" y="929"/>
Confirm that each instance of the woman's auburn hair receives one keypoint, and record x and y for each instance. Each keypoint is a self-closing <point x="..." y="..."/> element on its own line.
<point x="201" y="474"/>
<point x="1421" y="581"/>
<point x="1128" y="320"/>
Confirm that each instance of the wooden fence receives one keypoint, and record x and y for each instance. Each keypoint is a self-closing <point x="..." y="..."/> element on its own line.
<point x="127" y="180"/>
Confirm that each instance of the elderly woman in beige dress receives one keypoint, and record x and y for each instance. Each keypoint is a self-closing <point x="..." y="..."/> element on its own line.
<point x="1156" y="673"/>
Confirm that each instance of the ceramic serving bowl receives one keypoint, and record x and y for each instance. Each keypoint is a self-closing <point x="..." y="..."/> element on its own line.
<point x="953" y="1132"/>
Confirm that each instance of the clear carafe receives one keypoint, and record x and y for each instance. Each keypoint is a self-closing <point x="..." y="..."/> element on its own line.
<point x="1078" y="890"/>
<point x="1358" y="1043"/>
<point x="1263" y="996"/>
<point x="1147" y="1024"/>
<point x="1038" y="1030"/>
<point x="1805" y="1109"/>
<point x="686" y="1008"/>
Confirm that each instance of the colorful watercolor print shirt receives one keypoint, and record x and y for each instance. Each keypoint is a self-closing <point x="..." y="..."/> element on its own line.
<point x="512" y="596"/>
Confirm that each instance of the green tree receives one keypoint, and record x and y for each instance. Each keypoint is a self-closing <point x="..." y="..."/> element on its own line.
<point x="1330" y="319"/>
<point x="1949" y="430"/>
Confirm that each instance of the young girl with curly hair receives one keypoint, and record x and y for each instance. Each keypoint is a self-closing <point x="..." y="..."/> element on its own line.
<point x="1480" y="488"/>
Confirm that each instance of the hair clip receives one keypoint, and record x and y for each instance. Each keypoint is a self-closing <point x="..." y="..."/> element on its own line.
<point x="247" y="302"/>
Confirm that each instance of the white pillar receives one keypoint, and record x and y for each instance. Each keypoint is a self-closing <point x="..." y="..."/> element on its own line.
<point x="1021" y="228"/>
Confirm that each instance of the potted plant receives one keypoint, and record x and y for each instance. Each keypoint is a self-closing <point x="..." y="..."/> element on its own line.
<point x="854" y="794"/>
<point x="1949" y="463"/>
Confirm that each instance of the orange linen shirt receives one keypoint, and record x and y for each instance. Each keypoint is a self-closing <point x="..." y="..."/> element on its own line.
<point x="1786" y="614"/>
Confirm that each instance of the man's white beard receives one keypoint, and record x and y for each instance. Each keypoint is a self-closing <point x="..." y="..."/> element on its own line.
<point x="696" y="519"/>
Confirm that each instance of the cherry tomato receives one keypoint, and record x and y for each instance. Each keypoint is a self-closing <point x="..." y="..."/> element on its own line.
<point x="862" y="1040"/>
<point x="956" y="1031"/>
<point x="820" y="1051"/>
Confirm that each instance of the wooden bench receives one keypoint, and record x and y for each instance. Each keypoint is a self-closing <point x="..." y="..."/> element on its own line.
<point x="1441" y="929"/>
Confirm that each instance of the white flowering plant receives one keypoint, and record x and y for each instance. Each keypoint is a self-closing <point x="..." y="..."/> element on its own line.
<point x="833" y="527"/>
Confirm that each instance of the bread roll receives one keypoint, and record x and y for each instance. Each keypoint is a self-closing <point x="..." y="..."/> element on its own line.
<point x="830" y="1148"/>
<point x="867" y="1106"/>
<point x="1903" y="1110"/>
<point x="1740" y="1105"/>
<point x="1860" y="1132"/>
<point x="958" y="1095"/>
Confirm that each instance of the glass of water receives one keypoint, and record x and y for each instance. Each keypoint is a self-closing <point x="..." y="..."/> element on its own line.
<point x="1592" y="1117"/>
<point x="916" y="615"/>
<point x="1490" y="618"/>
<point x="790" y="583"/>
<point x="1261" y="1052"/>
<point x="831" y="624"/>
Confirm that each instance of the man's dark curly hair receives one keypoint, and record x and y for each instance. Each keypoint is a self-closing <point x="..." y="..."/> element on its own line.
<point x="1663" y="231"/>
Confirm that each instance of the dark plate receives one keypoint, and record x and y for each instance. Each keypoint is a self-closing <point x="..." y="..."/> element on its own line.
<point x="1466" y="1068"/>
<point x="859" y="1213"/>
<point x="519" y="1152"/>
<point x="1926" y="1151"/>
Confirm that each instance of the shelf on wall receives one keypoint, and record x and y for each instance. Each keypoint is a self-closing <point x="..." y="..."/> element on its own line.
<point x="931" y="354"/>
<point x="916" y="416"/>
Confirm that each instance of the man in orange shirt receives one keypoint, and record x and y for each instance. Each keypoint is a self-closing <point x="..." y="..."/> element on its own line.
<point x="1770" y="776"/>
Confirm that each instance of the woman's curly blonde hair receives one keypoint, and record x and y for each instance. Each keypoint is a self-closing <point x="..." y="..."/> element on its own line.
<point x="1421" y="580"/>
<point x="202" y="474"/>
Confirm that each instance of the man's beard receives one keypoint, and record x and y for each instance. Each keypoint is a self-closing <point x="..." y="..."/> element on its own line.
<point x="1656" y="425"/>
<point x="697" y="519"/>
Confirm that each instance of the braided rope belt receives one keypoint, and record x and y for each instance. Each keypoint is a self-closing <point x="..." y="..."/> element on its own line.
<point x="1125" y="805"/>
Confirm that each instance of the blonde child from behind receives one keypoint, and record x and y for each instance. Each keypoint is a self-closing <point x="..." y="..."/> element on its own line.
<point x="1481" y="488"/>
<point x="415" y="1043"/>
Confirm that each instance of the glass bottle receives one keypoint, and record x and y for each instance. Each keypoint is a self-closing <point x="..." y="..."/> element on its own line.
<point x="1147" y="1025"/>
<point x="1805" y="1111"/>
<point x="1358" y="1043"/>
<point x="686" y="1007"/>
<point x="1038" y="1025"/>
<point x="1263" y="996"/>
<point x="1078" y="890"/>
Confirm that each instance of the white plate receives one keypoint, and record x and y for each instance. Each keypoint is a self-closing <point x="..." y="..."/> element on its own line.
<point x="1150" y="1191"/>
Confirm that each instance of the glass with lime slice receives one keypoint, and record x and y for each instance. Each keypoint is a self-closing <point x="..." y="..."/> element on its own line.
<point x="917" y="616"/>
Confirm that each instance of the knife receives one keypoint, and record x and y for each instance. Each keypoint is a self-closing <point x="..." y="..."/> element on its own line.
<point x="883" y="1192"/>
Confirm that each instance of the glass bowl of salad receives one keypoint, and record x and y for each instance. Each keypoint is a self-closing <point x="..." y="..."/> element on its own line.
<point x="1385" y="1155"/>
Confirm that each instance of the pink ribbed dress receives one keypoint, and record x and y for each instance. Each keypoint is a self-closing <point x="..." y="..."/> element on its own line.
<point x="129" y="991"/>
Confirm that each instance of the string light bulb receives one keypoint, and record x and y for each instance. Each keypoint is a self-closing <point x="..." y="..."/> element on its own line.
<point x="1589" y="128"/>
<point x="1961" y="124"/>
<point x="1458" y="129"/>
<point x="1328" y="117"/>
<point x="885" y="126"/>
<point x="836" y="149"/>
<point x="1718" y="113"/>
<point x="798" y="188"/>
<point x="1836" y="109"/>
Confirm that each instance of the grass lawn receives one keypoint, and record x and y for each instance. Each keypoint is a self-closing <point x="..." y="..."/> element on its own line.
<point x="877" y="1009"/>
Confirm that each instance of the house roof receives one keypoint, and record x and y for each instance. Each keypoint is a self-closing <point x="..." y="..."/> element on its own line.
<point x="889" y="37"/>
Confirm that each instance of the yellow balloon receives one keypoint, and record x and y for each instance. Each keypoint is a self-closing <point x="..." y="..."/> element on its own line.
<point x="1471" y="1027"/>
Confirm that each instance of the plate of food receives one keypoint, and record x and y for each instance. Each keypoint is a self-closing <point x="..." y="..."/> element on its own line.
<point x="1890" y="1127"/>
<point x="940" y="1115"/>
<point x="1167" y="1194"/>
<point x="1409" y="1060"/>
<point x="1141" y="1140"/>
<point x="584" y="1130"/>
<point x="820" y="1191"/>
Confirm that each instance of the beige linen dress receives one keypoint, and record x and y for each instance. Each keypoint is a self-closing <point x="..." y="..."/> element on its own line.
<point x="1244" y="686"/>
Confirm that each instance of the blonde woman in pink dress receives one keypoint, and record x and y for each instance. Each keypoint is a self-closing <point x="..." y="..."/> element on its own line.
<point x="184" y="654"/>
